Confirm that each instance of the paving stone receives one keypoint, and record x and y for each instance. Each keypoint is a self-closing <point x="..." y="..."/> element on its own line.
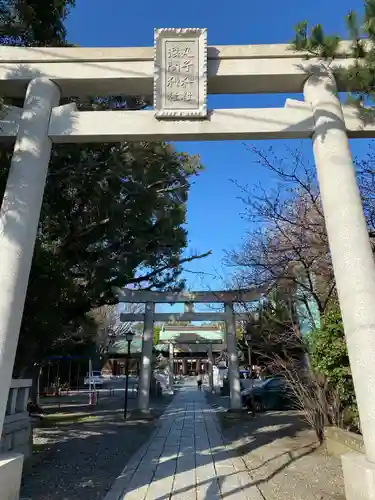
<point x="140" y="479"/>
<point x="208" y="490"/>
<point x="160" y="489"/>
<point x="185" y="464"/>
<point x="119" y="486"/>
<point x="189" y="494"/>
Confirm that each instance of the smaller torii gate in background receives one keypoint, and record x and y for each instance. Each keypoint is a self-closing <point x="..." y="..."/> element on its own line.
<point x="229" y="316"/>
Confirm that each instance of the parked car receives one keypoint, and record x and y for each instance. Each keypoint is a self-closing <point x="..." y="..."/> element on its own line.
<point x="273" y="393"/>
<point x="96" y="379"/>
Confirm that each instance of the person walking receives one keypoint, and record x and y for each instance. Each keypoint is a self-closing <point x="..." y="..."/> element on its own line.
<point x="199" y="381"/>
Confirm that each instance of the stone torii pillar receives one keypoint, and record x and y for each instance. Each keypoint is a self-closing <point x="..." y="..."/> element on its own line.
<point x="171" y="366"/>
<point x="353" y="264"/>
<point x="233" y="369"/>
<point x="210" y="368"/>
<point x="19" y="218"/>
<point x="146" y="358"/>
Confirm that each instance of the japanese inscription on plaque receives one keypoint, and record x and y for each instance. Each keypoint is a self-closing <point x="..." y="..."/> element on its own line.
<point x="180" y="80"/>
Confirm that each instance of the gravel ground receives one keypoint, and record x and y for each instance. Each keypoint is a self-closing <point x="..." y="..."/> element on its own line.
<point x="79" y="451"/>
<point x="282" y="455"/>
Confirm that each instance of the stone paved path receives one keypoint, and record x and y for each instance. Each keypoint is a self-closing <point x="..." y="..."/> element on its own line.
<point x="185" y="459"/>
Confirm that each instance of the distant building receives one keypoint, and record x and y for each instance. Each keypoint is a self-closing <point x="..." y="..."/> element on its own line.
<point x="191" y="346"/>
<point x="117" y="352"/>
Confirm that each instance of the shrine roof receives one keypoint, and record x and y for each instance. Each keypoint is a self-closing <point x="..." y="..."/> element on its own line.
<point x="190" y="335"/>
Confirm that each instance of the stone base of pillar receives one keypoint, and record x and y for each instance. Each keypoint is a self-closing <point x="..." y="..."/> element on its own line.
<point x="236" y="411"/>
<point x="184" y="367"/>
<point x="142" y="415"/>
<point x="10" y="475"/>
<point x="359" y="477"/>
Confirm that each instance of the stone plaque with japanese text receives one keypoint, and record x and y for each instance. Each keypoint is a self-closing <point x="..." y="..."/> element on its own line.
<point x="180" y="80"/>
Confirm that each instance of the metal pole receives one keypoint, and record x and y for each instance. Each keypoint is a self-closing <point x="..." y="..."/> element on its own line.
<point x="90" y="380"/>
<point x="38" y="385"/>
<point x="48" y="377"/>
<point x="78" y="370"/>
<point x="69" y="376"/>
<point x="58" y="379"/>
<point x="126" y="382"/>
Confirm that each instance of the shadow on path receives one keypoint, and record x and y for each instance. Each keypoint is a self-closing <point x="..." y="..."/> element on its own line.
<point x="189" y="457"/>
<point x="80" y="451"/>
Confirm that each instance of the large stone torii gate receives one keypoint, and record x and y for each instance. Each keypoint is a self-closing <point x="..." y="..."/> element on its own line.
<point x="46" y="74"/>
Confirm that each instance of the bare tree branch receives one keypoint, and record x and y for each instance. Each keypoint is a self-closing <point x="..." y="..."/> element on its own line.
<point x="108" y="325"/>
<point x="287" y="242"/>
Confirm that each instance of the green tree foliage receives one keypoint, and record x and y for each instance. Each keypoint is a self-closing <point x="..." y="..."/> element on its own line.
<point x="157" y="330"/>
<point x="34" y="22"/>
<point x="329" y="362"/>
<point x="329" y="355"/>
<point x="112" y="215"/>
<point x="274" y="332"/>
<point x="359" y="78"/>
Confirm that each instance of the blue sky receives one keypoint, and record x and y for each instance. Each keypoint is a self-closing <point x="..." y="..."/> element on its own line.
<point x="214" y="221"/>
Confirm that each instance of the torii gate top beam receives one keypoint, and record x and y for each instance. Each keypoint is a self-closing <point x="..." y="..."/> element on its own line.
<point x="232" y="69"/>
<point x="232" y="296"/>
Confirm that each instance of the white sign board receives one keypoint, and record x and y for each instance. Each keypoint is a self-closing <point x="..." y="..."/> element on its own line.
<point x="180" y="79"/>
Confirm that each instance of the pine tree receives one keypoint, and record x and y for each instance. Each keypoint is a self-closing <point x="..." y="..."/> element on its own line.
<point x="358" y="79"/>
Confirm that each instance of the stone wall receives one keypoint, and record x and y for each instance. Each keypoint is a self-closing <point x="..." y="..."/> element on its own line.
<point x="17" y="433"/>
<point x="339" y="441"/>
